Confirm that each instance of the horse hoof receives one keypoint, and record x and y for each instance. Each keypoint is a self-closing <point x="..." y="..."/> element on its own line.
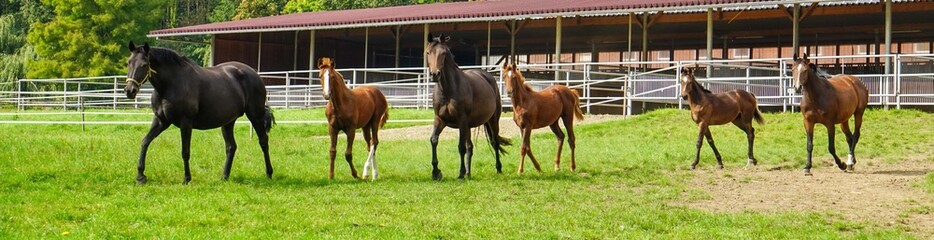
<point x="807" y="172"/>
<point x="141" y="180"/>
<point x="842" y="166"/>
<point x="849" y="168"/>
<point x="719" y="167"/>
<point x="693" y="167"/>
<point x="187" y="180"/>
<point x="436" y="175"/>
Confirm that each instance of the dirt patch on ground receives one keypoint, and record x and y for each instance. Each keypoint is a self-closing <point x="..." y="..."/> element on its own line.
<point x="507" y="129"/>
<point x="883" y="194"/>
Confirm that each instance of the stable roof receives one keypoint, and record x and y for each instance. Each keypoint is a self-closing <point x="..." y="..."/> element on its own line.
<point x="454" y="12"/>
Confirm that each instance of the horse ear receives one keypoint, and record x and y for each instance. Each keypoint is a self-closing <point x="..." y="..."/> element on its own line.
<point x="805" y="58"/>
<point x="446" y="39"/>
<point x="794" y="57"/>
<point x="146" y="47"/>
<point x="131" y="46"/>
<point x="431" y="37"/>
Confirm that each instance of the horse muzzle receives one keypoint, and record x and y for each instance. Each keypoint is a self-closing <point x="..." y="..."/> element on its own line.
<point x="131" y="90"/>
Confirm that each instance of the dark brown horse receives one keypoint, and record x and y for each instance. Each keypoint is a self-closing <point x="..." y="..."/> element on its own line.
<point x="533" y="110"/>
<point x="828" y="102"/>
<point x="191" y="97"/>
<point x="347" y="110"/>
<point x="462" y="100"/>
<point x="737" y="106"/>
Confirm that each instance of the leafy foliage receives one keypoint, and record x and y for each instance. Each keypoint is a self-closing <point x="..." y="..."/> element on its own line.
<point x="87" y="38"/>
<point x="15" y="52"/>
<point x="258" y="8"/>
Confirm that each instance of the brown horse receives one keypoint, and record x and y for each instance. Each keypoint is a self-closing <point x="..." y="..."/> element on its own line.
<point x="533" y="110"/>
<point x="737" y="106"/>
<point x="462" y="100"/>
<point x="347" y="110"/>
<point x="828" y="102"/>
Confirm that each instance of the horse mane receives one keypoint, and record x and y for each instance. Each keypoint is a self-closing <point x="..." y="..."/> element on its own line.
<point x="167" y="56"/>
<point x="701" y="87"/>
<point x="821" y="73"/>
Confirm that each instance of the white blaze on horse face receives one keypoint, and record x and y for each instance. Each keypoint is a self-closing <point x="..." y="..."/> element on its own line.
<point x="797" y="74"/>
<point x="510" y="73"/>
<point x="327" y="82"/>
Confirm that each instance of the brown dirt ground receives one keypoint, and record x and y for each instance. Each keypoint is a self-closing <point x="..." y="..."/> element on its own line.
<point x="878" y="193"/>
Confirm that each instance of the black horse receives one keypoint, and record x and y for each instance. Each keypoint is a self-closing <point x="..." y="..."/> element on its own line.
<point x="462" y="100"/>
<point x="191" y="97"/>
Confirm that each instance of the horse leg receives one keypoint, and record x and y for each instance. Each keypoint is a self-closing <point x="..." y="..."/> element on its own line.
<point x="493" y="129"/>
<point x="750" y="131"/>
<point x="527" y="150"/>
<point x="257" y="119"/>
<point x="332" y="133"/>
<point x="830" y="146"/>
<point x="714" y="147"/>
<point x="700" y="142"/>
<point x="572" y="140"/>
<point x="348" y="154"/>
<point x="185" y="127"/>
<point x="464" y="147"/>
<point x="857" y="123"/>
<point x="366" y="138"/>
<point x="560" y="136"/>
<point x="155" y="129"/>
<point x="845" y="128"/>
<point x="228" y="131"/>
<point x="809" y="130"/>
<point x="439" y="126"/>
<point x="375" y="143"/>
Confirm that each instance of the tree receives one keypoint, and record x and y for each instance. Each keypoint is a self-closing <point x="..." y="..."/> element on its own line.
<point x="258" y="8"/>
<point x="88" y="37"/>
<point x="15" y="18"/>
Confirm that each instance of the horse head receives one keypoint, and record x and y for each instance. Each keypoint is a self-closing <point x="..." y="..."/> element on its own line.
<point x="511" y="75"/>
<point x="138" y="69"/>
<point x="437" y="53"/>
<point x="327" y="72"/>
<point x="687" y="82"/>
<point x="800" y="71"/>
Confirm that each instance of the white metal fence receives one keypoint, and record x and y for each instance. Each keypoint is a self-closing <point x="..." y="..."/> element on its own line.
<point x="612" y="87"/>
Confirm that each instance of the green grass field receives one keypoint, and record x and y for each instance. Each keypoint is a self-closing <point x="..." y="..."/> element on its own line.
<point x="59" y="180"/>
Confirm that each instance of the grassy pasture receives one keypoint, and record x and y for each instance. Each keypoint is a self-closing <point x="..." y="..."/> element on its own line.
<point x="58" y="180"/>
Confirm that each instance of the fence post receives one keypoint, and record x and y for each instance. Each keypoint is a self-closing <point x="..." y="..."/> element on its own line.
<point x="898" y="82"/>
<point x="587" y="87"/>
<point x="19" y="94"/>
<point x="65" y="96"/>
<point x="81" y="109"/>
<point x="678" y="84"/>
<point x="115" y="93"/>
<point x="781" y="84"/>
<point x="748" y="70"/>
<point x="288" y="87"/>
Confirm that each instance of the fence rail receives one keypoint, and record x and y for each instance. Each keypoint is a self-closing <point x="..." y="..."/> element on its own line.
<point x="613" y="87"/>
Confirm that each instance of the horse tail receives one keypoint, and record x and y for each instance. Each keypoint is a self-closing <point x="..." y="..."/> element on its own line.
<point x="269" y="119"/>
<point x="384" y="118"/>
<point x="497" y="141"/>
<point x="498" y="145"/>
<point x="757" y="114"/>
<point x="575" y="98"/>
